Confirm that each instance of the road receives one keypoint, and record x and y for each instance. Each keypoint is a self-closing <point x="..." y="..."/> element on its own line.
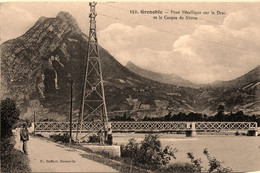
<point x="47" y="156"/>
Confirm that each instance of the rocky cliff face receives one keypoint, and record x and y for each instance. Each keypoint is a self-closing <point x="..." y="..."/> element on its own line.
<point x="35" y="68"/>
<point x="35" y="65"/>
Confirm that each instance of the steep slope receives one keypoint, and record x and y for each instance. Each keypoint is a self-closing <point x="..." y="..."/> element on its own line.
<point x="250" y="78"/>
<point x="35" y="68"/>
<point x="242" y="93"/>
<point x="172" y="79"/>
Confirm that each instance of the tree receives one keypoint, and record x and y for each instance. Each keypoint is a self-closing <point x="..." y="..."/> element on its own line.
<point x="220" y="115"/>
<point x="9" y="116"/>
<point x="149" y="153"/>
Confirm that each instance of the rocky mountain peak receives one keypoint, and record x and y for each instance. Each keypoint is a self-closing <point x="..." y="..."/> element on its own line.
<point x="41" y="19"/>
<point x="68" y="18"/>
<point x="44" y="50"/>
<point x="57" y="28"/>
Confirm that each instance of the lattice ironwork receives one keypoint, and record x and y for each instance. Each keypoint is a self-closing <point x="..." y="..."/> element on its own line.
<point x="225" y="125"/>
<point x="64" y="126"/>
<point x="118" y="126"/>
<point x="149" y="126"/>
<point x="93" y="104"/>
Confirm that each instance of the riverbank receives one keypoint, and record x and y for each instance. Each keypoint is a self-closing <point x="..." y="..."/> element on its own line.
<point x="241" y="153"/>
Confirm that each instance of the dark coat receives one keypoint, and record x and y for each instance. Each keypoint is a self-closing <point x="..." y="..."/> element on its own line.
<point x="24" y="134"/>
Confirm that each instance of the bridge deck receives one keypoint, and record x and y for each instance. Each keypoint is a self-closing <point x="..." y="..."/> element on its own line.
<point x="145" y="126"/>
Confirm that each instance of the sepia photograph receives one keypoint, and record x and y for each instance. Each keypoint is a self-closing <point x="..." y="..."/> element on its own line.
<point x="131" y="87"/>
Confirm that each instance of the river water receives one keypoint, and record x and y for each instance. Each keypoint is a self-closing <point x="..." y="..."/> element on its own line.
<point x="240" y="153"/>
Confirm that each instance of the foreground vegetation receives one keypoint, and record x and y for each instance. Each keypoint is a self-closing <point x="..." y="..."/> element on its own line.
<point x="12" y="160"/>
<point x="147" y="156"/>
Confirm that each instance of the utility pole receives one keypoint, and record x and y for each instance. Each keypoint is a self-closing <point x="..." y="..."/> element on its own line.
<point x="93" y="103"/>
<point x="33" y="122"/>
<point x="71" y="98"/>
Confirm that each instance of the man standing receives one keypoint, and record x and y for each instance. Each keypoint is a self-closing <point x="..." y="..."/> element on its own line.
<point x="109" y="137"/>
<point x="24" y="136"/>
<point x="101" y="137"/>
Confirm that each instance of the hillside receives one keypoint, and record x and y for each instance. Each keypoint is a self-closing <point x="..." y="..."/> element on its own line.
<point x="251" y="78"/>
<point x="35" y="66"/>
<point x="172" y="79"/>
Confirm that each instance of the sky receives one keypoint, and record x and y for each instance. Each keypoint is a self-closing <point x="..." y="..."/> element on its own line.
<point x="213" y="47"/>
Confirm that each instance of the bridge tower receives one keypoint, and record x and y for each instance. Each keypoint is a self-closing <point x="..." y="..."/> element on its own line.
<point x="93" y="103"/>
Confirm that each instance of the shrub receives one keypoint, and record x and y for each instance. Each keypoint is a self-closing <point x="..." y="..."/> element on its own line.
<point x="15" y="161"/>
<point x="9" y="116"/>
<point x="214" y="164"/>
<point x="196" y="162"/>
<point x="149" y="154"/>
<point x="12" y="160"/>
<point x="130" y="150"/>
<point x="178" y="168"/>
<point x="62" y="138"/>
<point x="93" y="138"/>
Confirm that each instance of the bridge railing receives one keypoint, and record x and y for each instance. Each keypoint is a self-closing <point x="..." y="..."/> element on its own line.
<point x="224" y="126"/>
<point x="145" y="126"/>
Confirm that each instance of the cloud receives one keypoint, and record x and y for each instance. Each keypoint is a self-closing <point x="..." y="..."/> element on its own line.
<point x="126" y="43"/>
<point x="225" y="51"/>
<point x="14" y="21"/>
<point x="209" y="53"/>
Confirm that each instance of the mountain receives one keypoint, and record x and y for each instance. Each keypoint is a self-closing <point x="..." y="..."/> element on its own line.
<point x="251" y="78"/>
<point x="242" y="93"/>
<point x="35" y="68"/>
<point x="172" y="79"/>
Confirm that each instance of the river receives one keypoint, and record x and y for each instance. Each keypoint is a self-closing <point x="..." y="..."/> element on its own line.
<point x="241" y="153"/>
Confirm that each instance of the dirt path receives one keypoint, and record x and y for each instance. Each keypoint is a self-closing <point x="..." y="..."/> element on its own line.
<point x="47" y="156"/>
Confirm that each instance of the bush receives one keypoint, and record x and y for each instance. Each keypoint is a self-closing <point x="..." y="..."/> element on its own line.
<point x="178" y="168"/>
<point x="15" y="161"/>
<point x="196" y="162"/>
<point x="62" y="138"/>
<point x="149" y="154"/>
<point x="130" y="150"/>
<point x="93" y="139"/>
<point x="12" y="160"/>
<point x="9" y="116"/>
<point x="214" y="164"/>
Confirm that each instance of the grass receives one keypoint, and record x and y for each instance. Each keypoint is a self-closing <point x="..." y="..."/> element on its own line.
<point x="15" y="161"/>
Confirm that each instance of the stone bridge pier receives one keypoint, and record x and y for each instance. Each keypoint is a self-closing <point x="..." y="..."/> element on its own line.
<point x="252" y="132"/>
<point x="191" y="130"/>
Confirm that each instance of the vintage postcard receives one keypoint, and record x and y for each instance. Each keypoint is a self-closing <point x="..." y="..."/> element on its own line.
<point x="130" y="86"/>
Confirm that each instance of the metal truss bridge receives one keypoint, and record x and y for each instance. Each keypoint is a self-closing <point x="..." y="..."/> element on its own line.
<point x="146" y="126"/>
